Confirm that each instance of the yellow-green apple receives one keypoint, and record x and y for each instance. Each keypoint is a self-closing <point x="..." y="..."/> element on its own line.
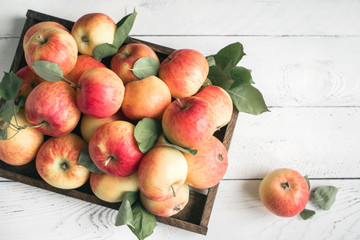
<point x="53" y="106"/>
<point x="189" y="122"/>
<point x="30" y="80"/>
<point x="208" y="166"/>
<point x="22" y="148"/>
<point x="147" y="97"/>
<point x="123" y="61"/>
<point x="168" y="207"/>
<point x="88" y="124"/>
<point x="114" y="150"/>
<point x="162" y="171"/>
<point x="54" y="45"/>
<point x="56" y="162"/>
<point x="83" y="63"/>
<point x="41" y="25"/>
<point x="184" y="71"/>
<point x="101" y="92"/>
<point x="284" y="192"/>
<point x="92" y="30"/>
<point x="112" y="188"/>
<point x="221" y="102"/>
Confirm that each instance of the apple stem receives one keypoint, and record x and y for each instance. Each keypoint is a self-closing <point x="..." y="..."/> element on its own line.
<point x="107" y="161"/>
<point x="27" y="126"/>
<point x="285" y="185"/>
<point x="173" y="190"/>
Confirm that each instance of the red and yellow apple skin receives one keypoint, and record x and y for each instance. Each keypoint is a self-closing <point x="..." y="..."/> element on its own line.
<point x="189" y="122"/>
<point x="123" y="61"/>
<point x="184" y="71"/>
<point x="53" y="104"/>
<point x="56" y="162"/>
<point x="88" y="124"/>
<point x="41" y="25"/>
<point x="23" y="147"/>
<point x="83" y="63"/>
<point x="221" y="102"/>
<point x="30" y="80"/>
<point x="208" y="166"/>
<point x="92" y="30"/>
<point x="112" y="188"/>
<point x="54" y="45"/>
<point x="101" y="92"/>
<point x="284" y="192"/>
<point x="168" y="207"/>
<point x="162" y="171"/>
<point x="114" y="150"/>
<point x="147" y="97"/>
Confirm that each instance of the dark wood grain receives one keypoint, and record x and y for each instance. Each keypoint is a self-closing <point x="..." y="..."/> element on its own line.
<point x="194" y="217"/>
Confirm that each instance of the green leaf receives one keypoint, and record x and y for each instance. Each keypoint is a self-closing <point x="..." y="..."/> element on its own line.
<point x="9" y="86"/>
<point x="7" y="110"/>
<point x="144" y="222"/>
<point x="220" y="78"/>
<point x="145" y="67"/>
<point x="123" y="28"/>
<point x="228" y="57"/>
<point x="248" y="99"/>
<point x="147" y="132"/>
<point x="48" y="70"/>
<point x="307" y="214"/>
<point x="104" y="50"/>
<point x="211" y="60"/>
<point x="21" y="101"/>
<point x="307" y="180"/>
<point x="324" y="196"/>
<point x="125" y="215"/>
<point x="240" y="75"/>
<point x="185" y="150"/>
<point x="86" y="161"/>
<point x="3" y="134"/>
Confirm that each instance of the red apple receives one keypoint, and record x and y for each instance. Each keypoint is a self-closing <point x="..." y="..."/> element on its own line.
<point x="30" y="80"/>
<point x="162" y="171"/>
<point x="123" y="61"/>
<point x="112" y="188"/>
<point x="54" y="45"/>
<point x="88" y="124"/>
<point x="114" y="150"/>
<point x="53" y="105"/>
<point x="101" y="92"/>
<point x="83" y="63"/>
<point x="168" y="207"/>
<point x="189" y="122"/>
<point x="22" y="148"/>
<point x="184" y="71"/>
<point x="56" y="162"/>
<point x="221" y="102"/>
<point x="92" y="30"/>
<point x="147" y="97"/>
<point x="41" y="25"/>
<point x="208" y="166"/>
<point x="284" y="192"/>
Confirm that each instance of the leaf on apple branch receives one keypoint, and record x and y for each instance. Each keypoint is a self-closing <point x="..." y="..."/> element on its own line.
<point x="131" y="213"/>
<point x="124" y="27"/>
<point x="9" y="86"/>
<point x="236" y="80"/>
<point x="145" y="67"/>
<point x="181" y="149"/>
<point x="86" y="161"/>
<point x="147" y="132"/>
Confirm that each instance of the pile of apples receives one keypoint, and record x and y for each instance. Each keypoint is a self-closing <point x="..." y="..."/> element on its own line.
<point x="107" y="102"/>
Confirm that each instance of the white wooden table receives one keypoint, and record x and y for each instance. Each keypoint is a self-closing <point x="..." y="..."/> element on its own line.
<point x="305" y="59"/>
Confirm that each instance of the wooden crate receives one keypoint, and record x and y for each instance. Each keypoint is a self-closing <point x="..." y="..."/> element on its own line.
<point x="194" y="217"/>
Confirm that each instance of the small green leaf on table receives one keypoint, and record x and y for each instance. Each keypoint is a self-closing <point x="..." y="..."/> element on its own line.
<point x="145" y="67"/>
<point x="307" y="181"/>
<point x="86" y="161"/>
<point x="48" y="70"/>
<point x="182" y="149"/>
<point x="9" y="86"/>
<point x="228" y="57"/>
<point x="307" y="214"/>
<point x="324" y="197"/>
<point x="147" y="132"/>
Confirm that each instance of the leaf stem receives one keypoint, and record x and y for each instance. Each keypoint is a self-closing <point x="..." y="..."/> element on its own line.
<point x="71" y="83"/>
<point x="18" y="128"/>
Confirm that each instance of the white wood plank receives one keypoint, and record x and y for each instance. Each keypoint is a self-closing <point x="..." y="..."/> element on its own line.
<point x="267" y="17"/>
<point x="318" y="142"/>
<point x="237" y="214"/>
